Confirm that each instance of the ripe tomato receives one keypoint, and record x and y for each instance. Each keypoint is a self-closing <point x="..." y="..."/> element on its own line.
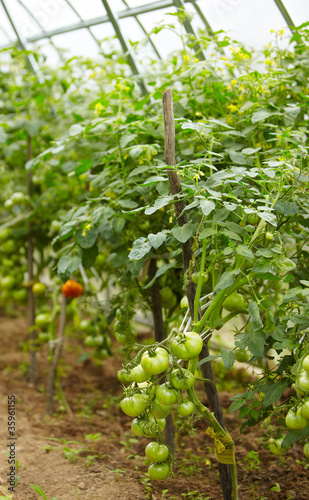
<point x="275" y="446"/>
<point x="295" y="420"/>
<point x="234" y="302"/>
<point x="155" y="361"/>
<point x="166" y="394"/>
<point x="156" y="452"/>
<point x="303" y="380"/>
<point x="147" y="426"/>
<point x="38" y="288"/>
<point x="306" y="450"/>
<point x="139" y="375"/>
<point x="42" y="319"/>
<point x="185" y="408"/>
<point x="187" y="345"/>
<point x="159" y="471"/>
<point x="182" y="379"/>
<point x="158" y="410"/>
<point x="241" y="355"/>
<point x="306" y="363"/>
<point x="134" y="405"/>
<point x="72" y="289"/>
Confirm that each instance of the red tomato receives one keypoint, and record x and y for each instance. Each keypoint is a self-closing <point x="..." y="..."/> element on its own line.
<point x="72" y="289"/>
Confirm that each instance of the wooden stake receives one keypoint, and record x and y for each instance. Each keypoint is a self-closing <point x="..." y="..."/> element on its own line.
<point x="179" y="205"/>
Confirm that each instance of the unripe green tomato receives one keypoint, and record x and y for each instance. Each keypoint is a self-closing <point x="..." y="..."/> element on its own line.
<point x="275" y="447"/>
<point x="253" y="219"/>
<point x="305" y="409"/>
<point x="42" y="319"/>
<point x="276" y="285"/>
<point x="100" y="353"/>
<point x="7" y="263"/>
<point x="185" y="408"/>
<point x="184" y="304"/>
<point x="55" y="225"/>
<point x="7" y="283"/>
<point x="166" y="394"/>
<point x="38" y="289"/>
<point x="269" y="236"/>
<point x="234" y="302"/>
<point x="91" y="341"/>
<point x="4" y="234"/>
<point x="21" y="295"/>
<point x="123" y="377"/>
<point x="86" y="326"/>
<point x="8" y="204"/>
<point x="306" y="363"/>
<point x="241" y="355"/>
<point x="157" y="410"/>
<point x="44" y="337"/>
<point x="306" y="450"/>
<point x="195" y="277"/>
<point x="159" y="471"/>
<point x="138" y="374"/>
<point x="19" y="198"/>
<point x="294" y="421"/>
<point x="9" y="246"/>
<point x="303" y="380"/>
<point x="147" y="426"/>
<point x="156" y="452"/>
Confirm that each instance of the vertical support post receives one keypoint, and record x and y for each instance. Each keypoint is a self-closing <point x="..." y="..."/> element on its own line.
<point x="124" y="43"/>
<point x="209" y="387"/>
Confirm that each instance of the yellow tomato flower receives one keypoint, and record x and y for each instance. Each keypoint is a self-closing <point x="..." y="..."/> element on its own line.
<point x="233" y="82"/>
<point x="98" y="108"/>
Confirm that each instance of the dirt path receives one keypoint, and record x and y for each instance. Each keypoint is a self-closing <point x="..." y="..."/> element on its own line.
<point x="118" y="469"/>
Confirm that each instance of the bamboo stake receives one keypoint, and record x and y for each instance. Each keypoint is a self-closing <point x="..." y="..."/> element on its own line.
<point x="52" y="374"/>
<point x="31" y="299"/>
<point x="179" y="206"/>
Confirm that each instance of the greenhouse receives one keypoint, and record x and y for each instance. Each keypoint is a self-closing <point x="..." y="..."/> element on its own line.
<point x="154" y="249"/>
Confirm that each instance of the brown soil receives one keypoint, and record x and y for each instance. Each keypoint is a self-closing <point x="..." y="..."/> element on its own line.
<point x="118" y="471"/>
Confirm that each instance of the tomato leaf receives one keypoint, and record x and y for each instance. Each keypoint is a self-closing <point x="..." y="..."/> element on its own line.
<point x="159" y="273"/>
<point x="255" y="316"/>
<point x="226" y="280"/>
<point x="67" y="265"/>
<point x="209" y="358"/>
<point x="207" y="206"/>
<point x="245" y="251"/>
<point x="86" y="238"/>
<point x="183" y="233"/>
<point x="290" y="438"/>
<point x="256" y="344"/>
<point x="141" y="247"/>
<point x="89" y="256"/>
<point x="228" y="358"/>
<point x="275" y="393"/>
<point x="156" y="240"/>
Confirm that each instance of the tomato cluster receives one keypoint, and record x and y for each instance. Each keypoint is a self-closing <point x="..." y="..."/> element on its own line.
<point x="150" y="402"/>
<point x="297" y="417"/>
<point x="97" y="336"/>
<point x="13" y="266"/>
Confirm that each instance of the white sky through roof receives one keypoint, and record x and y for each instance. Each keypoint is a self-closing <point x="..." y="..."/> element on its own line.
<point x="243" y="20"/>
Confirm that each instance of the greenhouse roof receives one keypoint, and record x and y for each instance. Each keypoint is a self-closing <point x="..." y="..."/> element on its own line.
<point x="86" y="27"/>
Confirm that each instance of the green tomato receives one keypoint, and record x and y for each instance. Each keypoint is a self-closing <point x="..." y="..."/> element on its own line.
<point x="306" y="450"/>
<point x="4" y="234"/>
<point x="276" y="285"/>
<point x="295" y="421"/>
<point x="147" y="426"/>
<point x="9" y="246"/>
<point x="19" y="198"/>
<point x="7" y="263"/>
<point x="100" y="354"/>
<point x="276" y="448"/>
<point x="158" y="410"/>
<point x="91" y="341"/>
<point x="185" y="408"/>
<point x="182" y="379"/>
<point x="55" y="225"/>
<point x="159" y="471"/>
<point x="303" y="380"/>
<point x="44" y="337"/>
<point x="166" y="294"/>
<point x="187" y="345"/>
<point x="166" y="394"/>
<point x="155" y="361"/>
<point x="305" y="409"/>
<point x="269" y="236"/>
<point x="20" y="295"/>
<point x="305" y="363"/>
<point x="253" y="219"/>
<point x="234" y="302"/>
<point x="38" y="288"/>
<point x="7" y="283"/>
<point x="86" y="326"/>
<point x="241" y="355"/>
<point x="122" y="338"/>
<point x="134" y="405"/>
<point x="184" y="304"/>
<point x="156" y="452"/>
<point x="138" y="374"/>
<point x="42" y="319"/>
<point x="123" y="377"/>
<point x="195" y="277"/>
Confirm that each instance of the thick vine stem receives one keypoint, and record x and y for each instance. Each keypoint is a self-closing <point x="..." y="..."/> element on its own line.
<point x="204" y="412"/>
